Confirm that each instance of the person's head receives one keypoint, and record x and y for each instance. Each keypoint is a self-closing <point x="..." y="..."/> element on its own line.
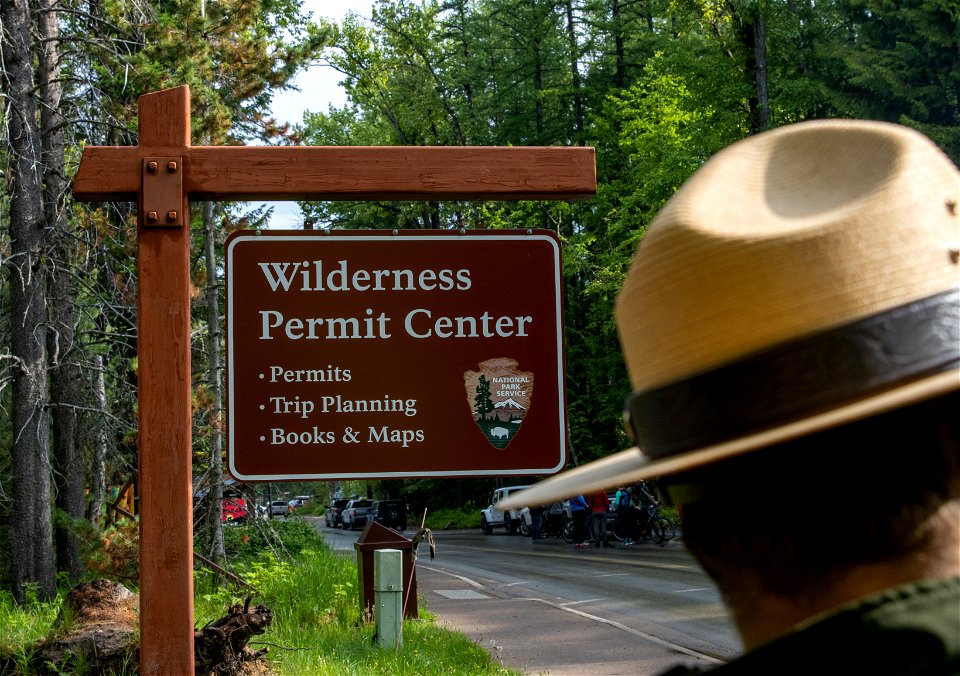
<point x="791" y="329"/>
<point x="879" y="491"/>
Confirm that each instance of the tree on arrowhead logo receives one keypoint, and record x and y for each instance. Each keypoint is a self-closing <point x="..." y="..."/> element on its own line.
<point x="499" y="396"/>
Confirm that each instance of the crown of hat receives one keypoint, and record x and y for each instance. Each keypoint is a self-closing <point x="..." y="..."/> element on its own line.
<point x="785" y="234"/>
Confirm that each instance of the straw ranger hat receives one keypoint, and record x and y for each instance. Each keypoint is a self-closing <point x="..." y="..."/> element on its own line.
<point x="803" y="278"/>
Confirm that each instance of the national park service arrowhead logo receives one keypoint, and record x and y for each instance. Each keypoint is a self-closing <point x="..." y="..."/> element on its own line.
<point x="499" y="396"/>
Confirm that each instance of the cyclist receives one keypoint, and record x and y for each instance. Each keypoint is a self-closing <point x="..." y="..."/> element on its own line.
<point x="647" y="504"/>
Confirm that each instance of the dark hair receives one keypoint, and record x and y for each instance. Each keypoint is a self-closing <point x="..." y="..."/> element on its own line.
<point x="797" y="514"/>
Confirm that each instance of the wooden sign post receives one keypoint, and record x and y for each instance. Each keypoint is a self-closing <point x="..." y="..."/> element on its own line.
<point x="164" y="173"/>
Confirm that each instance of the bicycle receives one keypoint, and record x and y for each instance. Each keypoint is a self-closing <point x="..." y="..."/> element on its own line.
<point x="660" y="527"/>
<point x="655" y="527"/>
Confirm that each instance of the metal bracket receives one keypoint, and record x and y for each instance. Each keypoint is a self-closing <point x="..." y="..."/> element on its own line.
<point x="163" y="192"/>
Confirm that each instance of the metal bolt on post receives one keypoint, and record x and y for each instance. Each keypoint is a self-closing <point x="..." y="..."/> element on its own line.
<point x="388" y="597"/>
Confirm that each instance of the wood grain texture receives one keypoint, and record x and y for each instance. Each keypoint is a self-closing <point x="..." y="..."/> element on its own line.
<point x="165" y="440"/>
<point x="348" y="173"/>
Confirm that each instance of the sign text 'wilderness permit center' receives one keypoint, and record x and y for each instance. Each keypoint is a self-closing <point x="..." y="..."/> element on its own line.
<point x="371" y="354"/>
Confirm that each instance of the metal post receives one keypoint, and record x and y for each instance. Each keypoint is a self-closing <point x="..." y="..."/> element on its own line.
<point x="388" y="597"/>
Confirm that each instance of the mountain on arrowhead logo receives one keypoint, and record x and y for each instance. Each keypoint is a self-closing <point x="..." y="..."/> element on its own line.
<point x="499" y="396"/>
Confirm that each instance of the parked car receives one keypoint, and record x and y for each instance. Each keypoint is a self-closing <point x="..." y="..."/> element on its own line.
<point x="279" y="508"/>
<point x="355" y="514"/>
<point x="493" y="516"/>
<point x="390" y="513"/>
<point x="332" y="517"/>
<point x="234" y="511"/>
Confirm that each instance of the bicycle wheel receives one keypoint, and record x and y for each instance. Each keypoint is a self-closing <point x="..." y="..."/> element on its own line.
<point x="566" y="531"/>
<point x="656" y="530"/>
<point x="620" y="532"/>
<point x="667" y="530"/>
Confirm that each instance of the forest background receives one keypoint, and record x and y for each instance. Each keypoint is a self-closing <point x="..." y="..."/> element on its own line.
<point x="656" y="86"/>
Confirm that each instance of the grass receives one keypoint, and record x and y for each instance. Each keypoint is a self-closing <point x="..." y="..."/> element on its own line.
<point x="21" y="626"/>
<point x="318" y="628"/>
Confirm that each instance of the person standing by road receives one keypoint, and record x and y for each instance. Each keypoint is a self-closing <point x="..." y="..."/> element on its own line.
<point x="579" y="510"/>
<point x="599" y="506"/>
<point x="794" y="311"/>
<point x="536" y="521"/>
<point x="626" y="523"/>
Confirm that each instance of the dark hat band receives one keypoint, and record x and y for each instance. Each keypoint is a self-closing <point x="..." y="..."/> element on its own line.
<point x="799" y="379"/>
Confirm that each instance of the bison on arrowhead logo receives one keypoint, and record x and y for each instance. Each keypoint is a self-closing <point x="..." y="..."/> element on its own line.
<point x="499" y="396"/>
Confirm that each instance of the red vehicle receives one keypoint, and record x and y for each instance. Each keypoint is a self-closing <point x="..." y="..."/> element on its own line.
<point x="234" y="510"/>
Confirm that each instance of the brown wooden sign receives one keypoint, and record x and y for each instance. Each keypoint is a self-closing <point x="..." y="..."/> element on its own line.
<point x="164" y="173"/>
<point x="371" y="354"/>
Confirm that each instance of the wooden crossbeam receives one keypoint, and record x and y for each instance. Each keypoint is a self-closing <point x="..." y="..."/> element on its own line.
<point x="246" y="173"/>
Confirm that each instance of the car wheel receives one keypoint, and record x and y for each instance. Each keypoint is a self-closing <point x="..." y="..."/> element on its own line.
<point x="510" y="525"/>
<point x="524" y="527"/>
<point x="484" y="526"/>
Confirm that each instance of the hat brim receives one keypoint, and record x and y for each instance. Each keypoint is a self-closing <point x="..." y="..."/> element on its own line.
<point x="632" y="465"/>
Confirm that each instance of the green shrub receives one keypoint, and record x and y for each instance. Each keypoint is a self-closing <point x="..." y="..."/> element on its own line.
<point x="452" y="519"/>
<point x="287" y="535"/>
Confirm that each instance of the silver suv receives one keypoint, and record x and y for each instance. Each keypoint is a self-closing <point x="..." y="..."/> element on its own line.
<point x="493" y="516"/>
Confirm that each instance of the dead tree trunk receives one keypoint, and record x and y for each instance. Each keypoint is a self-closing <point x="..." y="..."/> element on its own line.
<point x="31" y="538"/>
<point x="97" y="470"/>
<point x="65" y="379"/>
<point x="216" y="385"/>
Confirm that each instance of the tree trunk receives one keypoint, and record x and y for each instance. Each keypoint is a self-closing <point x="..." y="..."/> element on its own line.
<point x="216" y="388"/>
<point x="751" y="30"/>
<point x="65" y="377"/>
<point x="619" y="51"/>
<point x="97" y="470"/>
<point x="760" y="57"/>
<point x="575" y="74"/>
<point x="537" y="75"/>
<point x="31" y="539"/>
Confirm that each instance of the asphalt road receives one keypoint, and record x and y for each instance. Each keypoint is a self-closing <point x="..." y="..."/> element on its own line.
<point x="544" y="607"/>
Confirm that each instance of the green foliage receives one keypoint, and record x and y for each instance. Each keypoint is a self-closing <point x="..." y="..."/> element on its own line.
<point x="24" y="624"/>
<point x="314" y="508"/>
<point x="247" y="540"/>
<point x="466" y="518"/>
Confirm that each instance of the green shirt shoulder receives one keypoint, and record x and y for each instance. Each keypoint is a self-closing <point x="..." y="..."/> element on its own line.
<point x="910" y="630"/>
